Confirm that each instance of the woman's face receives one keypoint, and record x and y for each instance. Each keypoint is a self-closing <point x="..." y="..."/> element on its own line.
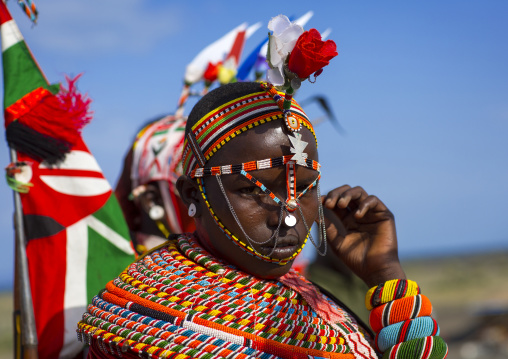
<point x="257" y="212"/>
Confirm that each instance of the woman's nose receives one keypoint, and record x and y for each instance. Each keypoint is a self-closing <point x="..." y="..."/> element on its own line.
<point x="274" y="217"/>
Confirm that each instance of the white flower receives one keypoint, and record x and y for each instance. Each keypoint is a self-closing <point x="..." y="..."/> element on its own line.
<point x="282" y="41"/>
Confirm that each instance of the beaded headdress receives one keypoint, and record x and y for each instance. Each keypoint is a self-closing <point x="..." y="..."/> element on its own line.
<point x="217" y="127"/>
<point x="157" y="151"/>
<point x="224" y="123"/>
<point x="156" y="156"/>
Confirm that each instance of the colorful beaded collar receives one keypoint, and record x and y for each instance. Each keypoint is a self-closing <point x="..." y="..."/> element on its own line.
<point x="180" y="302"/>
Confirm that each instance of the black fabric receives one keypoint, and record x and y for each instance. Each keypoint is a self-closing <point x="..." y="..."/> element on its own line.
<point x="36" y="145"/>
<point x="40" y="226"/>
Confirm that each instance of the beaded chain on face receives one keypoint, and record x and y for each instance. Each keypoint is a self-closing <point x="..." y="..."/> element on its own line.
<point x="289" y="220"/>
<point x="248" y="247"/>
<point x="180" y="302"/>
<point x="293" y="125"/>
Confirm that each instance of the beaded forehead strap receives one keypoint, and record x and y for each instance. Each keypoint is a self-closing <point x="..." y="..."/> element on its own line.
<point x="242" y="169"/>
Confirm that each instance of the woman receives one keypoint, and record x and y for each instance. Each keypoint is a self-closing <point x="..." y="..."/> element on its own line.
<point x="251" y="184"/>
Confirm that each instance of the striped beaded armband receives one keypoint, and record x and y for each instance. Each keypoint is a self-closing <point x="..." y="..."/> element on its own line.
<point x="399" y="310"/>
<point x="390" y="290"/>
<point x="405" y="331"/>
<point x="422" y="348"/>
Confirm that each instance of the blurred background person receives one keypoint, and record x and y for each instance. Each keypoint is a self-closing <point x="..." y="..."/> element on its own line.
<point x="146" y="186"/>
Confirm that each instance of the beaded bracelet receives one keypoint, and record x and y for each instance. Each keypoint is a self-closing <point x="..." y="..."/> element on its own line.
<point x="405" y="331"/>
<point x="428" y="347"/>
<point x="390" y="290"/>
<point x="399" y="310"/>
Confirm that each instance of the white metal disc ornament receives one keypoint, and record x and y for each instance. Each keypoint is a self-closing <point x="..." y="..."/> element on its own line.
<point x="192" y="210"/>
<point x="290" y="220"/>
<point x="156" y="213"/>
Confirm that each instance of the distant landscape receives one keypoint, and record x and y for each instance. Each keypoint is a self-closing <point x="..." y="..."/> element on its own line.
<point x="470" y="298"/>
<point x="469" y="294"/>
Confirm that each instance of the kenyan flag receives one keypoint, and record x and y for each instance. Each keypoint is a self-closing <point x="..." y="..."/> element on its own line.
<point x="77" y="239"/>
<point x="77" y="242"/>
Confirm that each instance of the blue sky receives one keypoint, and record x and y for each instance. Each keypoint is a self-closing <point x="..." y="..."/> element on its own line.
<point x="420" y="87"/>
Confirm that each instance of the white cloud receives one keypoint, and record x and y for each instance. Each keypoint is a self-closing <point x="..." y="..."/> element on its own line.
<point x="104" y="27"/>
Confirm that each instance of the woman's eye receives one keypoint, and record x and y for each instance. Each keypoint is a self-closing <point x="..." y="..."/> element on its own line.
<point x="251" y="191"/>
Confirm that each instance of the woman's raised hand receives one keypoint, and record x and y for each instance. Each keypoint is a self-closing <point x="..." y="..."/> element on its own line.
<point x="361" y="232"/>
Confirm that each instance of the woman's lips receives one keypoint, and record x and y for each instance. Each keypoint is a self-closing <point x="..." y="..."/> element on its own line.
<point x="284" y="248"/>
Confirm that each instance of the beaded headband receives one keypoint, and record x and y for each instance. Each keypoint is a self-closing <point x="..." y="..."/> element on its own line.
<point x="222" y="124"/>
<point x="250" y="166"/>
<point x="242" y="168"/>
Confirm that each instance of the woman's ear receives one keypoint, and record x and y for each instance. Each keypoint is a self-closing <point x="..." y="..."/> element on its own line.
<point x="189" y="193"/>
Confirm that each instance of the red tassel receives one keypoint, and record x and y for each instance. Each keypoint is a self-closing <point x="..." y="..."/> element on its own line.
<point x="76" y="104"/>
<point x="61" y="116"/>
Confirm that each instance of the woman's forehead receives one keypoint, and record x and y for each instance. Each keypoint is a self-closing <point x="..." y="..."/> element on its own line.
<point x="262" y="142"/>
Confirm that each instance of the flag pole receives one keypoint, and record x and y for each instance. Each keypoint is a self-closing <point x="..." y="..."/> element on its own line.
<point x="23" y="295"/>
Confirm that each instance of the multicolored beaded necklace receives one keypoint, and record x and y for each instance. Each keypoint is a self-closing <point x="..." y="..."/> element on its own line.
<point x="221" y="125"/>
<point x="180" y="302"/>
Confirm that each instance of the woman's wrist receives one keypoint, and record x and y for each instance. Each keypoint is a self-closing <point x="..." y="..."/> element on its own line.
<point x="394" y="271"/>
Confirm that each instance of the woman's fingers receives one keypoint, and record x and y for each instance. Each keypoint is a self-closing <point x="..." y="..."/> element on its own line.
<point x="344" y="197"/>
<point x="331" y="199"/>
<point x="351" y="204"/>
<point x="351" y="198"/>
<point x="369" y="203"/>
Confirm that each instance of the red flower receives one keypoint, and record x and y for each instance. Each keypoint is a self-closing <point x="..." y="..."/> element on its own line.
<point x="311" y="54"/>
<point x="211" y="72"/>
